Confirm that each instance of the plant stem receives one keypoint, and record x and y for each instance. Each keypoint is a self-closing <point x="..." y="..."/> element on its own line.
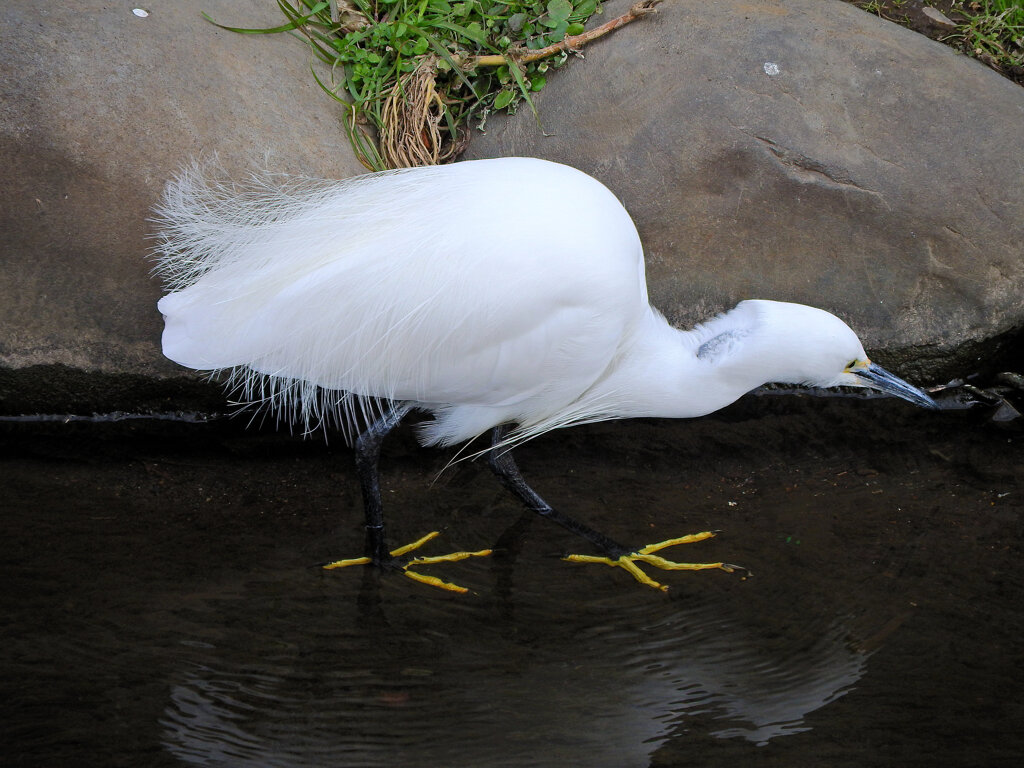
<point x="571" y="43"/>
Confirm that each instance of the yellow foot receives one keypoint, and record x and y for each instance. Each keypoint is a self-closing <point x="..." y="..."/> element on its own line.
<point x="646" y="555"/>
<point x="431" y="580"/>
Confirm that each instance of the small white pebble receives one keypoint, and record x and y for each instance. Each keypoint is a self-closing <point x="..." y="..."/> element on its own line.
<point x="771" y="68"/>
<point x="140" y="12"/>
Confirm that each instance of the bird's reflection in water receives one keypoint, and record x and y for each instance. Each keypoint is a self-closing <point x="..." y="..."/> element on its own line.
<point x="455" y="683"/>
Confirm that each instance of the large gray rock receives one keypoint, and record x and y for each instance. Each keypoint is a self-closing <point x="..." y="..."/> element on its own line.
<point x="98" y="107"/>
<point x="806" y="151"/>
<point x="877" y="174"/>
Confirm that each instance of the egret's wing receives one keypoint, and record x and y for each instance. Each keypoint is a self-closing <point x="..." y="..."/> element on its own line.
<point x="422" y="328"/>
<point x="415" y="290"/>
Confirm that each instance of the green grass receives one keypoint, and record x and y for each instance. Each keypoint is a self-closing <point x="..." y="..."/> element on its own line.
<point x="413" y="73"/>
<point x="886" y="9"/>
<point x="991" y="30"/>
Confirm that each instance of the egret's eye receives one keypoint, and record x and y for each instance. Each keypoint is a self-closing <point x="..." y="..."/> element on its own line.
<point x="852" y="364"/>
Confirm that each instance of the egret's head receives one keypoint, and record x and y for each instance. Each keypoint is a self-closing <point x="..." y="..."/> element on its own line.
<point x="825" y="352"/>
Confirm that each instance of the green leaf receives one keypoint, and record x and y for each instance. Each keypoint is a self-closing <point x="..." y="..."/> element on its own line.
<point x="537" y="82"/>
<point x="453" y="128"/>
<point x="446" y="56"/>
<point x="559" y="9"/>
<point x="517" y="73"/>
<point x="575" y="29"/>
<point x="502" y="99"/>
<point x="295" y="23"/>
<point x="477" y="36"/>
<point x="557" y="34"/>
<point x="584" y="10"/>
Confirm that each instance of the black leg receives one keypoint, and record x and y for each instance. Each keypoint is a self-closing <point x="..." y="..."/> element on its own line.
<point x="500" y="460"/>
<point x="502" y="464"/>
<point x="367" y="447"/>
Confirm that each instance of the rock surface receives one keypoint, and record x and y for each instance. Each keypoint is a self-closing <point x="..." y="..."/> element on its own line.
<point x="804" y="151"/>
<point x="98" y="108"/>
<point x="795" y="150"/>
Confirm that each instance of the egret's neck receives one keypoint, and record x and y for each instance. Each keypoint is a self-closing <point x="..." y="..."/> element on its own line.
<point x="660" y="375"/>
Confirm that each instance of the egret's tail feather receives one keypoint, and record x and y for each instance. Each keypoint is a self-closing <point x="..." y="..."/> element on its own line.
<point x="298" y="402"/>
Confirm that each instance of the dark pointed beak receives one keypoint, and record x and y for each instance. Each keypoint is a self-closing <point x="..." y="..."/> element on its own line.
<point x="876" y="377"/>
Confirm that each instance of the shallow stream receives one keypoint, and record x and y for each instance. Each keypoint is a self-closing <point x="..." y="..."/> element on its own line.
<point x="162" y="604"/>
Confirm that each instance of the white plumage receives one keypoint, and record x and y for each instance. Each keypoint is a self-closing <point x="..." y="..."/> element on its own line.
<point x="487" y="292"/>
<point x="479" y="289"/>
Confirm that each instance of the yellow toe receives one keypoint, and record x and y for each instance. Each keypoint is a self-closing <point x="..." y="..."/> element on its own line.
<point x="416" y="561"/>
<point x="347" y="563"/>
<point x="629" y="562"/>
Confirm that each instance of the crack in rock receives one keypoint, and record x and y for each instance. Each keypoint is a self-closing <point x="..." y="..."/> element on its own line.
<point x="806" y="170"/>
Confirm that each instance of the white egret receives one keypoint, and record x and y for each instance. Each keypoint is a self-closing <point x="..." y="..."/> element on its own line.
<point x="502" y="295"/>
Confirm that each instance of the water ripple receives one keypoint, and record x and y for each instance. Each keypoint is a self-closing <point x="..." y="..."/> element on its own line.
<point x="600" y="682"/>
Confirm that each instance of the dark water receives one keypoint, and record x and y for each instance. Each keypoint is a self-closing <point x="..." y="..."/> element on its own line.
<point x="161" y="604"/>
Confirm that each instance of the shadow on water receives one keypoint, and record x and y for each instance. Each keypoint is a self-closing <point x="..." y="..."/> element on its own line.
<point x="162" y="607"/>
